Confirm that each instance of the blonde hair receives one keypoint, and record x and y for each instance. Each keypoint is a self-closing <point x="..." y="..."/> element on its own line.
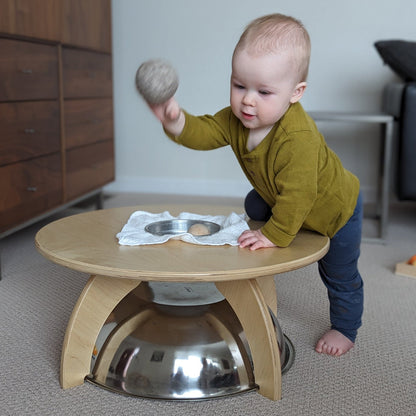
<point x="276" y="32"/>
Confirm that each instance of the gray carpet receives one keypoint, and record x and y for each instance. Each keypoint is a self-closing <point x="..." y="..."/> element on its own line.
<point x="378" y="377"/>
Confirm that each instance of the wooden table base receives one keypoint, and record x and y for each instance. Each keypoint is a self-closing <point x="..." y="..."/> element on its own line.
<point x="250" y="300"/>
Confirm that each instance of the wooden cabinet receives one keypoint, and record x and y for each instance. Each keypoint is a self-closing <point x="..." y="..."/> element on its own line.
<point x="56" y="105"/>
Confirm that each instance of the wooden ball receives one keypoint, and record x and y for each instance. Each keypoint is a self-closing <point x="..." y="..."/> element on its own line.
<point x="198" y="229"/>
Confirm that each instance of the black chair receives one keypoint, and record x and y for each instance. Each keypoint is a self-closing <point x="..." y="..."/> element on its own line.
<point x="399" y="100"/>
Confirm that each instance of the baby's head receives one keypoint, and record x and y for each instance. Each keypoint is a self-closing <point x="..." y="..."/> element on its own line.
<point x="278" y="34"/>
<point x="269" y="70"/>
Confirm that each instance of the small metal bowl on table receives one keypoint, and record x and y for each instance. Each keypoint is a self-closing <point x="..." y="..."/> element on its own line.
<point x="180" y="226"/>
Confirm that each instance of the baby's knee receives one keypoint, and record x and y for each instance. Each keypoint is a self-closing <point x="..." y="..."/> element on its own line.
<point x="256" y="207"/>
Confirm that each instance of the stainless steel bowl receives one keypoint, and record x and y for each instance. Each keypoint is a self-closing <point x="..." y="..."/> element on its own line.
<point x="179" y="226"/>
<point x="176" y="341"/>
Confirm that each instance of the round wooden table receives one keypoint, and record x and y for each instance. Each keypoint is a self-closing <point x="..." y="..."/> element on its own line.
<point x="87" y="242"/>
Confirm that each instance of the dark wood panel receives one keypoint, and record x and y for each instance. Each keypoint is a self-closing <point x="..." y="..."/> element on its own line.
<point x="88" y="168"/>
<point x="7" y="16"/>
<point x="28" y="189"/>
<point x="28" y="129"/>
<point x="83" y="23"/>
<point x="86" y="74"/>
<point x="88" y="121"/>
<point x="33" y="18"/>
<point x="87" y="23"/>
<point x="38" y="18"/>
<point x="28" y="71"/>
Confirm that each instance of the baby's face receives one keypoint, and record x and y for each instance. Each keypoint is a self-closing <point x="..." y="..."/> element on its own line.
<point x="262" y="88"/>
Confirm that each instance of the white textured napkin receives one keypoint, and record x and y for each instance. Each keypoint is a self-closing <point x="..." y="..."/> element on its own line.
<point x="134" y="234"/>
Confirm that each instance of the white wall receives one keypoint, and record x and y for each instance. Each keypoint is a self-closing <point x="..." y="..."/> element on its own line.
<point x="198" y="37"/>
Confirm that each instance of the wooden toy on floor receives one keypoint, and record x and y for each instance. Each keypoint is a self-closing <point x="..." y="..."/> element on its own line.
<point x="407" y="268"/>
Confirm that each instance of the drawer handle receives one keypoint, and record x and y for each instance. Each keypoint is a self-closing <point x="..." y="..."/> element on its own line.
<point x="30" y="131"/>
<point x="27" y="71"/>
<point x="31" y="188"/>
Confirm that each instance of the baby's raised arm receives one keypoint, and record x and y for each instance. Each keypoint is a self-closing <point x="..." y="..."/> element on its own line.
<point x="157" y="82"/>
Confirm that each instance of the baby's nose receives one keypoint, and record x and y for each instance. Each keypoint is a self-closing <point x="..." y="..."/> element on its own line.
<point x="249" y="98"/>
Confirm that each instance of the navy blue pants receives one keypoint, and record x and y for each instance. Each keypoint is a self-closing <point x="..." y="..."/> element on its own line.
<point x="338" y="268"/>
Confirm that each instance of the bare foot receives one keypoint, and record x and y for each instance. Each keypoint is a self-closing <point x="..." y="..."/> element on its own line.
<point x="333" y="343"/>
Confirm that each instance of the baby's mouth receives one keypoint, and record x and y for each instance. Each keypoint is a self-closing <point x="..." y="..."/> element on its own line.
<point x="247" y="116"/>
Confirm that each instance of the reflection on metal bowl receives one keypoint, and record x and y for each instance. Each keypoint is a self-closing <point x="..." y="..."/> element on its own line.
<point x="176" y="341"/>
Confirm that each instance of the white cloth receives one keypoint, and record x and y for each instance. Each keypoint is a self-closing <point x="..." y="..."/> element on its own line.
<point x="133" y="232"/>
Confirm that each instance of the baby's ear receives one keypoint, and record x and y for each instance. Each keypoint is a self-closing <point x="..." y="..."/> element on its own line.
<point x="298" y="92"/>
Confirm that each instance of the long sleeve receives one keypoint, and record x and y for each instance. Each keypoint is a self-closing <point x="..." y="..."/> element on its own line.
<point x="205" y="132"/>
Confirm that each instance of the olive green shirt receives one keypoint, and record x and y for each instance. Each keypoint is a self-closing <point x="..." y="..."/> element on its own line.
<point x="293" y="169"/>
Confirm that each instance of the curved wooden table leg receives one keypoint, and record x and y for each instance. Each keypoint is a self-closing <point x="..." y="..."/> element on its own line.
<point x="268" y="288"/>
<point x="99" y="297"/>
<point x="247" y="300"/>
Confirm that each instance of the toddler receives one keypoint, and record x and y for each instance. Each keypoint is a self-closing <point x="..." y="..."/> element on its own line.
<point x="298" y="181"/>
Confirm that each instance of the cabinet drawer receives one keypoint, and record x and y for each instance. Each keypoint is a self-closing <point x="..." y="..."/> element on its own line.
<point x="28" y="189"/>
<point x="32" y="18"/>
<point x="86" y="74"/>
<point x="88" y="121"/>
<point x="87" y="23"/>
<point x="28" y="71"/>
<point x="88" y="168"/>
<point x="28" y="129"/>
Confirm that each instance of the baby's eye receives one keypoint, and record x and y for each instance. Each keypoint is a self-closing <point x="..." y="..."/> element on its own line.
<point x="239" y="86"/>
<point x="263" y="92"/>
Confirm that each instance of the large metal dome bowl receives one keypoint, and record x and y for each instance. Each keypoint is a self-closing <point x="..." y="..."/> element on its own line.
<point x="177" y="341"/>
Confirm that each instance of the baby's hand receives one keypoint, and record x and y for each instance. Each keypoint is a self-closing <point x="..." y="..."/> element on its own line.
<point x="166" y="112"/>
<point x="254" y="239"/>
<point x="170" y="114"/>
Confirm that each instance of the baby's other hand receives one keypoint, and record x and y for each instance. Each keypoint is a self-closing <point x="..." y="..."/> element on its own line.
<point x="254" y="239"/>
